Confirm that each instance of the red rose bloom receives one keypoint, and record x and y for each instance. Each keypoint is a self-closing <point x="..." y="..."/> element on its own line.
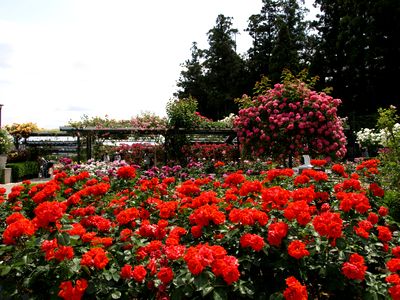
<point x="126" y="172"/>
<point x="49" y="212"/>
<point x="126" y="272"/>
<point x="376" y="190"/>
<point x="354" y="268"/>
<point x="373" y="218"/>
<point x="276" y="232"/>
<point x="253" y="241"/>
<point x="393" y="265"/>
<point x="64" y="252"/>
<point x="17" y="229"/>
<point x="139" y="273"/>
<point x="297" y="249"/>
<point x="394" y="292"/>
<point x="69" y="292"/>
<point x="95" y="257"/>
<point x="294" y="290"/>
<point x="396" y="251"/>
<point x="165" y="274"/>
<point x="384" y="234"/>
<point x="383" y="211"/>
<point x="328" y="224"/>
<point x="393" y="278"/>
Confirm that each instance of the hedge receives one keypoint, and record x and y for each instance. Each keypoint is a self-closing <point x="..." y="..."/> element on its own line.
<point x="24" y="170"/>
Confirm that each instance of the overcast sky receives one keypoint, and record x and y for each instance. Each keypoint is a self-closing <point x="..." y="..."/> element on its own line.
<point x="61" y="59"/>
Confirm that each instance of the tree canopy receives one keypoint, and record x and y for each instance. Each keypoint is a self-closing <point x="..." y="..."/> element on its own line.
<point x="353" y="46"/>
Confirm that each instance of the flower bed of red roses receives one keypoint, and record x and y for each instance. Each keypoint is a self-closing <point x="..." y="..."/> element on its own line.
<point x="276" y="235"/>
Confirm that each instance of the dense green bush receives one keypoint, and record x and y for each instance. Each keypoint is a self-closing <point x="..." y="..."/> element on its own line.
<point x="392" y="201"/>
<point x="389" y="126"/>
<point x="24" y="170"/>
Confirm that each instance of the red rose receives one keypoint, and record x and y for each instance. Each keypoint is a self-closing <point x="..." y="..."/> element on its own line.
<point x="126" y="172"/>
<point x="165" y="275"/>
<point x="297" y="249"/>
<point x="294" y="290"/>
<point x="354" y="268"/>
<point x="139" y="273"/>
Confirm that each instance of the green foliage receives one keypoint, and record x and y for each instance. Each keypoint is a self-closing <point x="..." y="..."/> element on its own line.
<point x="390" y="158"/>
<point x="24" y="170"/>
<point x="387" y="119"/>
<point x="5" y="142"/>
<point x="392" y="200"/>
<point x="99" y="122"/>
<point x="182" y="113"/>
<point x="357" y="52"/>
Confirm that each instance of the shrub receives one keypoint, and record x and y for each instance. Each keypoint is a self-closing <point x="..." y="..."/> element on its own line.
<point x="5" y="141"/>
<point x="19" y="131"/>
<point x="24" y="170"/>
<point x="182" y="113"/>
<point x="392" y="200"/>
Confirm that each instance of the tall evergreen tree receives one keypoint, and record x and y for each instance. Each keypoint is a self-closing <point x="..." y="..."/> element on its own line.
<point x="358" y="52"/>
<point x="192" y="80"/>
<point x="279" y="39"/>
<point x="214" y="76"/>
<point x="262" y="29"/>
<point x="224" y="70"/>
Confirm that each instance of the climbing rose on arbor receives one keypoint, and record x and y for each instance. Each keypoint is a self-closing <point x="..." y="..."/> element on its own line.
<point x="290" y="119"/>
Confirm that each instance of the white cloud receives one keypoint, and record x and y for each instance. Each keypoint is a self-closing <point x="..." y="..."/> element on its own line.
<point x="116" y="57"/>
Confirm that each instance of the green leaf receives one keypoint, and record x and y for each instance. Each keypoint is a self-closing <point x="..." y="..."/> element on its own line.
<point x="107" y="275"/>
<point x="75" y="266"/>
<point x="63" y="238"/>
<point x="115" y="276"/>
<point x="220" y="294"/>
<point x="341" y="244"/>
<point x="371" y="296"/>
<point x="116" y="295"/>
<point x="205" y="291"/>
<point x="276" y="296"/>
<point x="177" y="294"/>
<point x="230" y="234"/>
<point x="5" y="270"/>
<point x="201" y="281"/>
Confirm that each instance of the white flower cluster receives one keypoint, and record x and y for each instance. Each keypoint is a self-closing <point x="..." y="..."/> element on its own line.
<point x="228" y="121"/>
<point x="368" y="137"/>
<point x="372" y="137"/>
<point x="99" y="168"/>
<point x="385" y="134"/>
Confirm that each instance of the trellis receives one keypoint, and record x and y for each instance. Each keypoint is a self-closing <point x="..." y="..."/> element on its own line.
<point x="90" y="134"/>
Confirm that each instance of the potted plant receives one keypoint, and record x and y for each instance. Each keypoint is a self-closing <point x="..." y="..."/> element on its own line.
<point x="5" y="146"/>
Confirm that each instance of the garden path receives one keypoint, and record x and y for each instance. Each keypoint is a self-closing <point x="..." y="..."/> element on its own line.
<point x="8" y="186"/>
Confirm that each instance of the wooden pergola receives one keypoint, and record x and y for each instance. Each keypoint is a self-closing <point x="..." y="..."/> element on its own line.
<point x="90" y="133"/>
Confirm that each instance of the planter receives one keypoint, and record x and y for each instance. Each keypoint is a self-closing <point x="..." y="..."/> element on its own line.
<point x="3" y="161"/>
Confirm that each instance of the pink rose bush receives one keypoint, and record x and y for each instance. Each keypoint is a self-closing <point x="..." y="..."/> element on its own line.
<point x="291" y="119"/>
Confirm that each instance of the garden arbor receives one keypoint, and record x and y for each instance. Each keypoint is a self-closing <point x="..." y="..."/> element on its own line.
<point x="88" y="135"/>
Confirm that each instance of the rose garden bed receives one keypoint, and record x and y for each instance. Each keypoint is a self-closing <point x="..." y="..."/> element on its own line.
<point x="133" y="235"/>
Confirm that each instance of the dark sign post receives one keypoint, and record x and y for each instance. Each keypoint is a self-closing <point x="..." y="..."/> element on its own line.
<point x="1" y="106"/>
